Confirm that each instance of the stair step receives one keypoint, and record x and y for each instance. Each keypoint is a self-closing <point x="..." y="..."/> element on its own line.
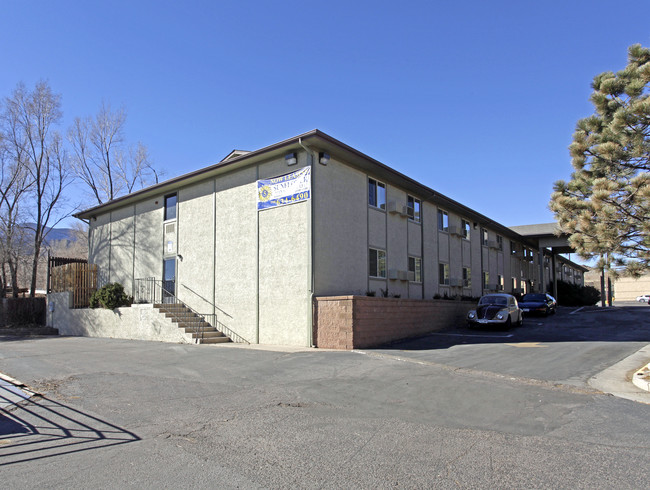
<point x="206" y="328"/>
<point x="215" y="340"/>
<point x="205" y="335"/>
<point x="192" y="323"/>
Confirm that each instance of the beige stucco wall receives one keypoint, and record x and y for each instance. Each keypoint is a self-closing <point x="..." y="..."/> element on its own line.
<point x="122" y="247"/>
<point x="148" y="238"/>
<point x="341" y="232"/>
<point x="137" y="322"/>
<point x="196" y="237"/>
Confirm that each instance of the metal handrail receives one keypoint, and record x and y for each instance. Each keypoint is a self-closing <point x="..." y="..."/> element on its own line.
<point x="154" y="286"/>
<point x="150" y="289"/>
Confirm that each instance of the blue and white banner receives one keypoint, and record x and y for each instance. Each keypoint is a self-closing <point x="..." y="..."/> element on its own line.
<point x="286" y="189"/>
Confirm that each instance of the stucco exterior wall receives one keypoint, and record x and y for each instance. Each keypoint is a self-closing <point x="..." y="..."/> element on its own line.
<point x="122" y="247"/>
<point x="196" y="237"/>
<point x="137" y="322"/>
<point x="99" y="246"/>
<point x="341" y="231"/>
<point x="148" y="238"/>
<point x="236" y="257"/>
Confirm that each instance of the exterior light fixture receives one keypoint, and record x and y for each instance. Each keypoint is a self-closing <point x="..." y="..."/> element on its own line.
<point x="323" y="158"/>
<point x="291" y="158"/>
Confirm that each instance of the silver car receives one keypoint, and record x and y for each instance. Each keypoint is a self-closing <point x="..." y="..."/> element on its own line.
<point x="496" y="310"/>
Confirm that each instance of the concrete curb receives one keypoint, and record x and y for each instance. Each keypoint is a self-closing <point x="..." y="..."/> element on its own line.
<point x="619" y="379"/>
<point x="641" y="378"/>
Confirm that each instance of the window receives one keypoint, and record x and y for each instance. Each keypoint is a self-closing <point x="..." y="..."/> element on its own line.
<point x="376" y="194"/>
<point x="467" y="277"/>
<point x="486" y="279"/>
<point x="500" y="282"/>
<point x="443" y="220"/>
<point x="170" y="207"/>
<point x="500" y="242"/>
<point x="484" y="236"/>
<point x="513" y="284"/>
<point x="443" y="274"/>
<point x="413" y="206"/>
<point x="376" y="263"/>
<point x="415" y="266"/>
<point x="465" y="228"/>
<point x="513" y="248"/>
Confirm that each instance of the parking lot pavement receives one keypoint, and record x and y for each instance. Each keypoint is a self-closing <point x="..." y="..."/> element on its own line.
<point x="117" y="413"/>
<point x="570" y="347"/>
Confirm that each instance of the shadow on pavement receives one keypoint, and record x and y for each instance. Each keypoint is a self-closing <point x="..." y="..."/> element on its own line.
<point x="43" y="428"/>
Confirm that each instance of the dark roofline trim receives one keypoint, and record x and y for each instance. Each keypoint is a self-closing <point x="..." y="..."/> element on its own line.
<point x="431" y="195"/>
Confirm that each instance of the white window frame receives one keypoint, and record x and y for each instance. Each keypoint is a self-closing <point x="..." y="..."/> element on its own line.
<point x="411" y="202"/>
<point x="466" y="228"/>
<point x="467" y="277"/>
<point x="377" y="185"/>
<point x="417" y="267"/>
<point x="380" y="254"/>
<point x="443" y="274"/>
<point x="443" y="220"/>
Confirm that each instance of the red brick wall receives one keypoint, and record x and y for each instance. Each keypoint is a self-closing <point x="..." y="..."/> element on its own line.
<point x="350" y="322"/>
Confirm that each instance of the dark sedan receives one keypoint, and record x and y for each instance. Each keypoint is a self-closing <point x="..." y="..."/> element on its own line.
<point x="538" y="303"/>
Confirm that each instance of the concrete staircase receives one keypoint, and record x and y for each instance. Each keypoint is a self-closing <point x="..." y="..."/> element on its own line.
<point x="193" y="324"/>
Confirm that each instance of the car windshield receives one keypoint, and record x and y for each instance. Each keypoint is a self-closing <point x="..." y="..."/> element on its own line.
<point x="533" y="297"/>
<point x="493" y="300"/>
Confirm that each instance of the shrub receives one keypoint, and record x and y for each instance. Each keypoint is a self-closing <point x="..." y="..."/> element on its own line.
<point x="574" y="295"/>
<point x="110" y="297"/>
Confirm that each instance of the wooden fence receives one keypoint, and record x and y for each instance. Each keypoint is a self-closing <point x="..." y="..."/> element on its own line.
<point x="78" y="278"/>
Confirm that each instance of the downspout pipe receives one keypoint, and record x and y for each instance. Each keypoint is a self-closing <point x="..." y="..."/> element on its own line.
<point x="310" y="319"/>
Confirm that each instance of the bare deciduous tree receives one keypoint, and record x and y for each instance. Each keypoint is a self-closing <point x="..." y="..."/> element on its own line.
<point x="103" y="161"/>
<point x="29" y="119"/>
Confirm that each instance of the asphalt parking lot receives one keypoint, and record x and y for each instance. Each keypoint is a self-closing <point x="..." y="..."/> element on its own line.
<point x="458" y="409"/>
<point x="569" y="347"/>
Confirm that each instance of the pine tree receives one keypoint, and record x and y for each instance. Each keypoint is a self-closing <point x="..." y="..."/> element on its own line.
<point x="605" y="207"/>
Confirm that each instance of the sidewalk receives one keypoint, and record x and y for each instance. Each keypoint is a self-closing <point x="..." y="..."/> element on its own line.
<point x="12" y="392"/>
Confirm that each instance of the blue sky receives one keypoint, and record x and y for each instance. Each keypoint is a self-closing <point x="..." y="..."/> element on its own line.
<point x="475" y="99"/>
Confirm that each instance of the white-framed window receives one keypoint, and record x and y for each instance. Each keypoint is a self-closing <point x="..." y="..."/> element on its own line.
<point x="170" y="206"/>
<point x="500" y="242"/>
<point x="486" y="279"/>
<point x="443" y="220"/>
<point x="376" y="194"/>
<point x="443" y="274"/>
<point x="484" y="237"/>
<point x="466" y="228"/>
<point x="415" y="266"/>
<point x="467" y="277"/>
<point x="377" y="263"/>
<point x="413" y="206"/>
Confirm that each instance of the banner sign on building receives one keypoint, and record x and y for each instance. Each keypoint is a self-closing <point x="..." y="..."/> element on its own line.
<point x="286" y="189"/>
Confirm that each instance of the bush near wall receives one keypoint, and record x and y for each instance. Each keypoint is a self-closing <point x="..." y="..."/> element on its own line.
<point x="574" y="295"/>
<point x="22" y="311"/>
<point x="110" y="297"/>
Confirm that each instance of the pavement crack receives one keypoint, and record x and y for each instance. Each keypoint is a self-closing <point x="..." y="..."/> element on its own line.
<point x="475" y="373"/>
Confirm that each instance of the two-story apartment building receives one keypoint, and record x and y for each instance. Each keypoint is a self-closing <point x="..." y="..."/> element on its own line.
<point x="258" y="235"/>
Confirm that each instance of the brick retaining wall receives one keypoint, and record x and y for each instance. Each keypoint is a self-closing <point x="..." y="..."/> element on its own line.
<point x="351" y="322"/>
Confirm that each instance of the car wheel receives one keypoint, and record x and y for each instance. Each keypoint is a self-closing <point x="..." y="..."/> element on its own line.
<point x="508" y="324"/>
<point x="547" y="312"/>
<point x="520" y="323"/>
